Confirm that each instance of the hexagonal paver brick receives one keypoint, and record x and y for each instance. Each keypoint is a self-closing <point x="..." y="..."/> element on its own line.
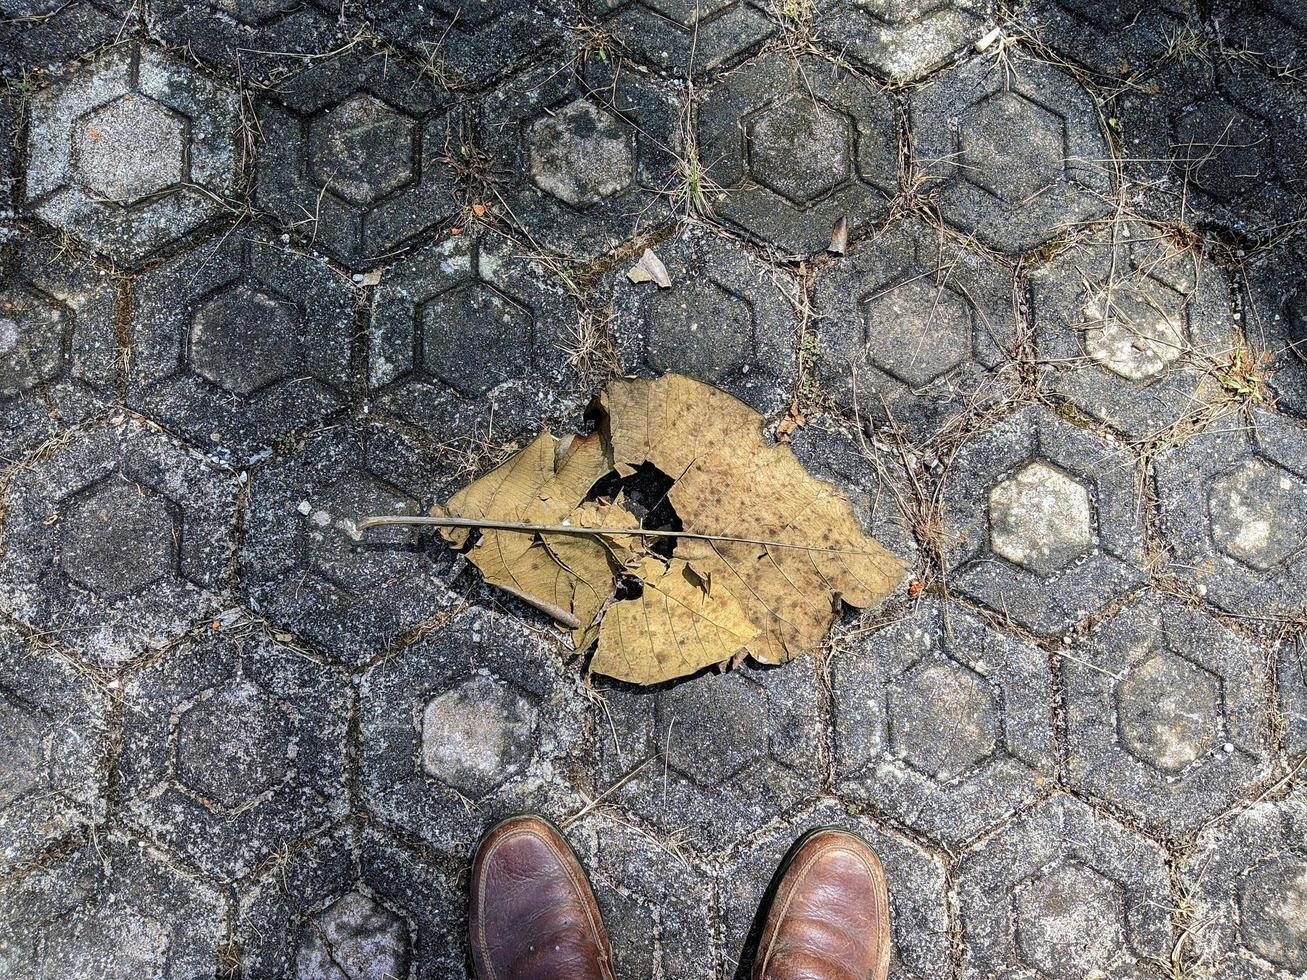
<point x="233" y="746"/>
<point x="58" y="349"/>
<point x="695" y="39"/>
<point x="1249" y="879"/>
<point x="477" y="721"/>
<point x="1042" y="521"/>
<point x="910" y="327"/>
<point x="36" y="34"/>
<point x="1273" y="30"/>
<point x="941" y="722"/>
<point x="1062" y="892"/>
<point x="240" y="342"/>
<point x="1118" y="39"/>
<point x="1017" y="157"/>
<point x="116" y="542"/>
<point x="1291" y="672"/>
<point x="53" y="745"/>
<point x="347" y="905"/>
<point x="1128" y="328"/>
<point x="470" y="332"/>
<point x="918" y="915"/>
<point x="713" y="759"/>
<point x="587" y="153"/>
<point x="876" y="483"/>
<point x="901" y="42"/>
<point x="1166" y="715"/>
<point x="1234" y="512"/>
<point x="792" y="146"/>
<point x="470" y="44"/>
<point x="1275" y="319"/>
<point x="355" y="155"/>
<point x="258" y="39"/>
<point x="1216" y="144"/>
<point x="304" y="569"/>
<point x="657" y="905"/>
<point x="728" y="320"/>
<point x="110" y="909"/>
<point x="132" y="152"/>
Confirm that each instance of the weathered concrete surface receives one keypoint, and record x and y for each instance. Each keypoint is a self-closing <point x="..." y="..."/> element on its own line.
<point x="267" y="267"/>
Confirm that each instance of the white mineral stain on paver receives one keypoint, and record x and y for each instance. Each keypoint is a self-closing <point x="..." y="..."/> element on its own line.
<point x="1170" y="711"/>
<point x="580" y="155"/>
<point x="1259" y="514"/>
<point x="1040" y="518"/>
<point x="476" y="734"/>
<point x="1137" y="338"/>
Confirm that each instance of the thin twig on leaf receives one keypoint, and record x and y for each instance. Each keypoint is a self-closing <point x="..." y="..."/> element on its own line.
<point x="598" y="532"/>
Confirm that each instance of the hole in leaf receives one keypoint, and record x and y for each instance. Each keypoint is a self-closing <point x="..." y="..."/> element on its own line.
<point x="644" y="494"/>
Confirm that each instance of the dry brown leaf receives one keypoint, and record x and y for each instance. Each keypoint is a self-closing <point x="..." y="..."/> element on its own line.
<point x="676" y="627"/>
<point x="716" y="599"/>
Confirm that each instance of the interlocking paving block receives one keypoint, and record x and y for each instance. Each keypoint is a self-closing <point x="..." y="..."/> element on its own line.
<point x="113" y="908"/>
<point x="587" y="152"/>
<point x="355" y="155"/>
<point x="1275" y="318"/>
<point x="1234" y="511"/>
<point x="875" y="482"/>
<point x="1128" y="327"/>
<point x="685" y="39"/>
<point x="347" y="906"/>
<point x="1292" y="681"/>
<point x="477" y="721"/>
<point x="1063" y="892"/>
<point x="1249" y="877"/>
<point x="728" y="320"/>
<point x="53" y="743"/>
<point x="239" y="342"/>
<point x="116" y="542"/>
<point x="300" y="562"/>
<point x="909" y="327"/>
<point x="1274" y="30"/>
<point x="1118" y="39"/>
<point x="712" y="759"/>
<point x="792" y="146"/>
<point x="1042" y="521"/>
<point x="1217" y="144"/>
<point x="473" y="43"/>
<point x="472" y="332"/>
<point x="901" y="41"/>
<point x="58" y="350"/>
<point x="656" y="904"/>
<point x="37" y="34"/>
<point x="941" y="722"/>
<point x="259" y="39"/>
<point x="1016" y="156"/>
<point x="918" y="915"/>
<point x="232" y="748"/>
<point x="132" y="152"/>
<point x="1166" y="715"/>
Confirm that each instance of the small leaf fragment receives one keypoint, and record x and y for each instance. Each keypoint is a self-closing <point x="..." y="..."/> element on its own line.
<point x="839" y="236"/>
<point x="650" y="268"/>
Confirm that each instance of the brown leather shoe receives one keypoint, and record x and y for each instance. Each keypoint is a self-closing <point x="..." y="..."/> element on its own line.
<point x="829" y="918"/>
<point x="533" y="913"/>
